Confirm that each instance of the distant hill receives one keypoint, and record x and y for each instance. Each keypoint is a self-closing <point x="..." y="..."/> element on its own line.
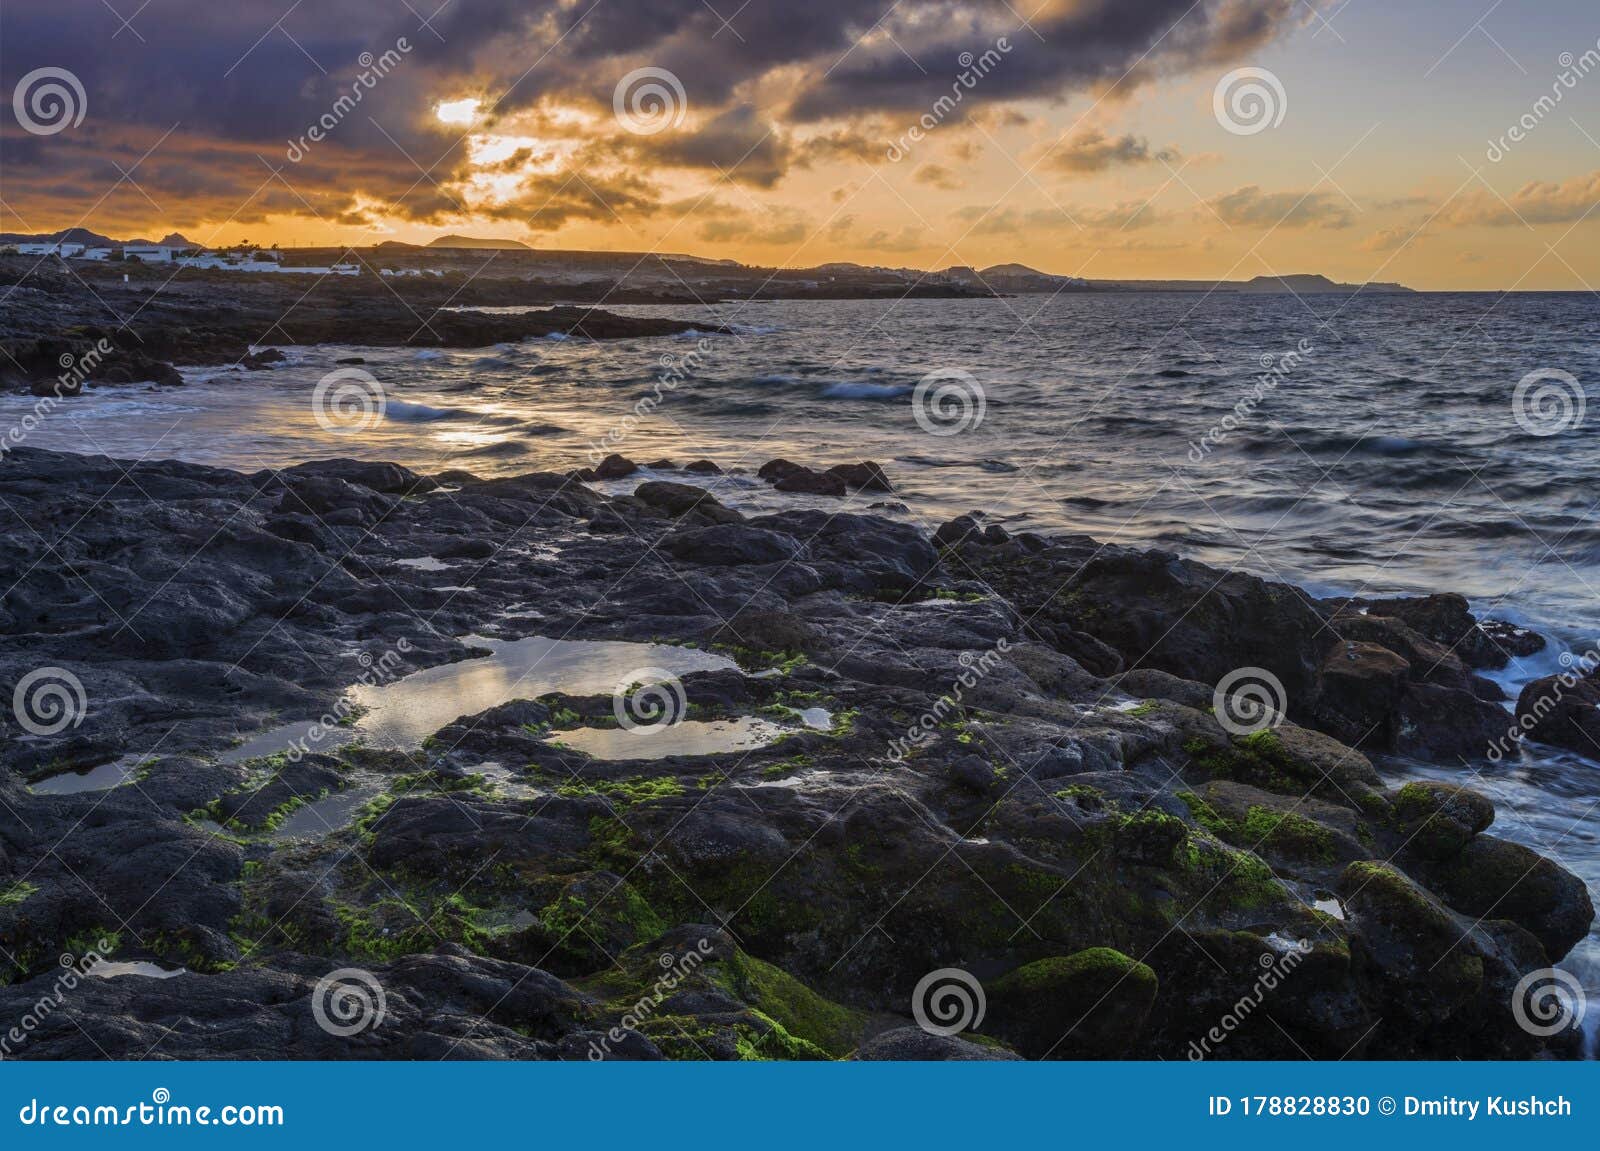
<point x="1013" y="278"/>
<point x="70" y="235"/>
<point x="476" y="242"/>
<point x="1306" y="284"/>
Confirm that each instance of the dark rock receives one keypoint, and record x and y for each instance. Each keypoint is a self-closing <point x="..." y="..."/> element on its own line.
<point x="913" y="1043"/>
<point x="867" y="476"/>
<point x="1090" y="1005"/>
<point x="1563" y="710"/>
<point x="614" y="467"/>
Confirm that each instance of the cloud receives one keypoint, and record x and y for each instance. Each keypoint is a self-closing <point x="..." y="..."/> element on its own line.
<point x="1250" y="207"/>
<point x="1072" y="219"/>
<point x="1538" y="202"/>
<point x="1092" y="151"/>
<point x="787" y="85"/>
<point x="937" y="176"/>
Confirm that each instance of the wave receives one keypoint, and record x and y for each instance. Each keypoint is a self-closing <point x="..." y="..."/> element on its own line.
<point x="857" y="390"/>
<point x="498" y="448"/>
<point x="419" y="413"/>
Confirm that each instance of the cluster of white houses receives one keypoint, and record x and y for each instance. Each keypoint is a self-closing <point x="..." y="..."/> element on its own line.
<point x="241" y="260"/>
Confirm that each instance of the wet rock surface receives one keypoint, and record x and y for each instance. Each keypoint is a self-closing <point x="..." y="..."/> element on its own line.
<point x="1020" y="775"/>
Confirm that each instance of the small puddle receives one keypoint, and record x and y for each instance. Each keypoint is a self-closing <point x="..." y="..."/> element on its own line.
<point x="816" y="718"/>
<point x="403" y="713"/>
<point x="322" y="817"/>
<point x="102" y="778"/>
<point x="424" y="563"/>
<point x="1331" y="906"/>
<point x="689" y="737"/>
<point x="116" y="968"/>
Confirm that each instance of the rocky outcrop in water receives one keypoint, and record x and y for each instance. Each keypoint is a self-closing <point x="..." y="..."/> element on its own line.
<point x="57" y="325"/>
<point x="1021" y="777"/>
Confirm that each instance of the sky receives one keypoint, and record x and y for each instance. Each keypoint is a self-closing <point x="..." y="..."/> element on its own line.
<point x="1448" y="145"/>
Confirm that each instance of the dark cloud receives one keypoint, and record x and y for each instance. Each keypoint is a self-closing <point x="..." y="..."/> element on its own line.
<point x="785" y="85"/>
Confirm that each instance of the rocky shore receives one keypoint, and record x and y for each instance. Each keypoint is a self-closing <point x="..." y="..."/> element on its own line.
<point x="1001" y="755"/>
<point x="83" y="323"/>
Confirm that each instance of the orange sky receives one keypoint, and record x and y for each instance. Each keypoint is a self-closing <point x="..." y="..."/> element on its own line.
<point x="1241" y="138"/>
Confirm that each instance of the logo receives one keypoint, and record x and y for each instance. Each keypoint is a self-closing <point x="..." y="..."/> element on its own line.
<point x="1249" y="100"/>
<point x="1548" y="1001"/>
<point x="348" y="1001"/>
<point x="649" y="100"/>
<point x="49" y="700"/>
<point x="1248" y="700"/>
<point x="648" y="700"/>
<point x="948" y="1001"/>
<point x="948" y="401"/>
<point x="348" y="401"/>
<point x="49" y="100"/>
<point x="1548" y="401"/>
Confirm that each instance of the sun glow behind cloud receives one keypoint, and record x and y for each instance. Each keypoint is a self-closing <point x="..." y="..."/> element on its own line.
<point x="464" y="111"/>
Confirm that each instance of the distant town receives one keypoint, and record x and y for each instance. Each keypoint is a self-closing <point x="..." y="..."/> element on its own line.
<point x="665" y="276"/>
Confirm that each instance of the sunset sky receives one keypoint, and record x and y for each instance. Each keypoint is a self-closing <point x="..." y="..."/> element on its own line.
<point x="1090" y="144"/>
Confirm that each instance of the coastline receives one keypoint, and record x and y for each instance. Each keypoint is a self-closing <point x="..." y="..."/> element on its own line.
<point x="1096" y="828"/>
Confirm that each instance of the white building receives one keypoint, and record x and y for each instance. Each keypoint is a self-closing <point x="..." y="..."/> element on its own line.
<point x="148" y="253"/>
<point x="52" y="249"/>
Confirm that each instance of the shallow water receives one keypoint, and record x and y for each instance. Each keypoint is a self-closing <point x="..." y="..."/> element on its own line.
<point x="688" y="737"/>
<point x="403" y="713"/>
<point x="144" y="969"/>
<point x="322" y="817"/>
<point x="102" y="778"/>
